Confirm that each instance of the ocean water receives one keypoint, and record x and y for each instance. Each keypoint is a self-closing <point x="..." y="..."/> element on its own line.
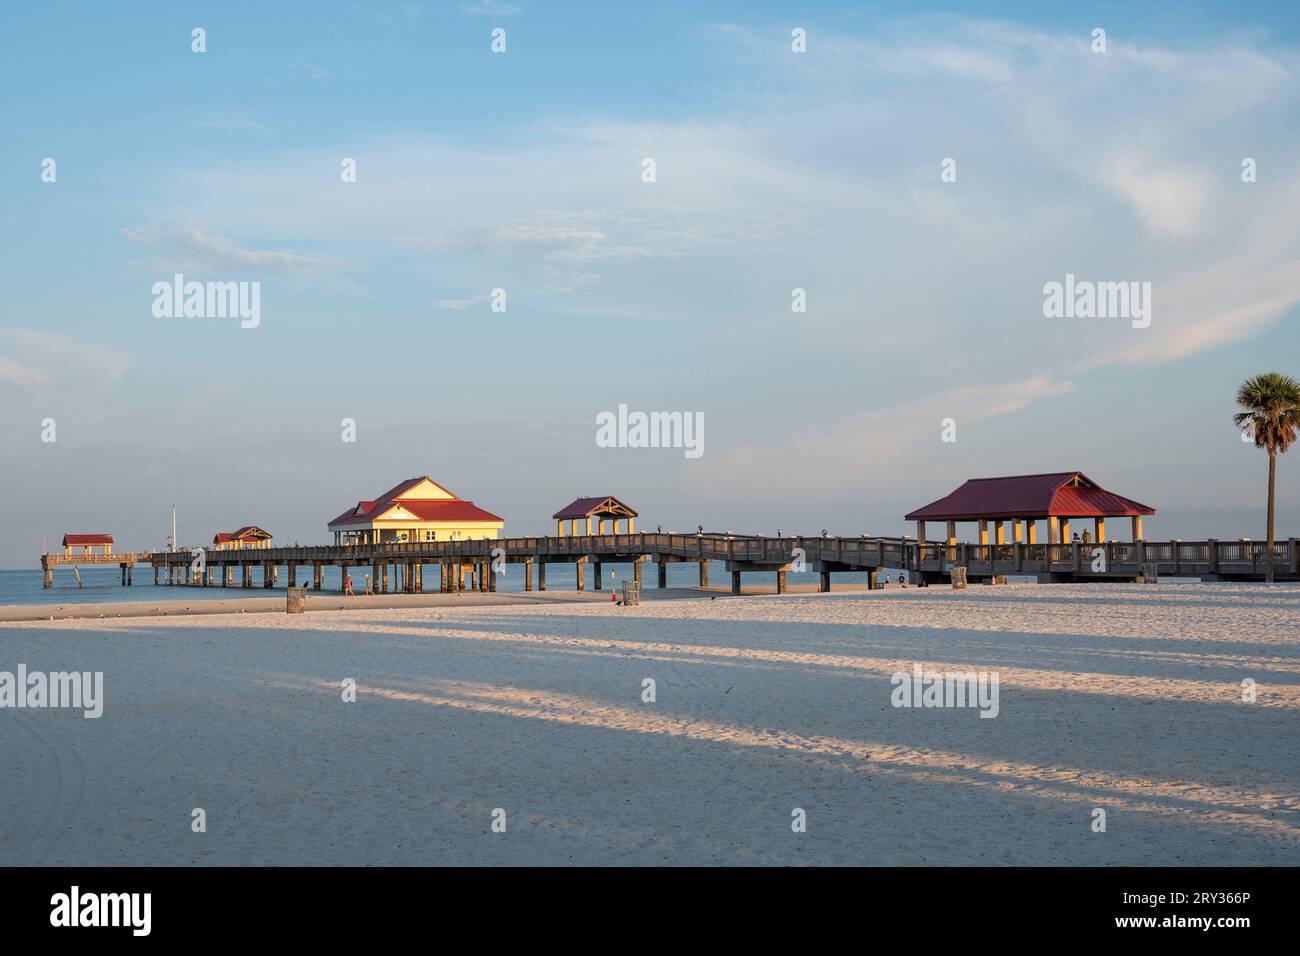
<point x="102" y="585"/>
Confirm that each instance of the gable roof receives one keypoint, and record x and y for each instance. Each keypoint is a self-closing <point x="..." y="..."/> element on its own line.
<point x="424" y="509"/>
<point x="410" y="484"/>
<point x="586" y="507"/>
<point x="250" y="531"/>
<point x="1069" y="494"/>
<point x="74" y="540"/>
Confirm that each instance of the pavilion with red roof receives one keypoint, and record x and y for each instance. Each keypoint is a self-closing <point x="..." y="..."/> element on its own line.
<point x="604" y="508"/>
<point x="418" y="509"/>
<point x="249" y="536"/>
<point x="1024" y="500"/>
<point x="86" y="542"/>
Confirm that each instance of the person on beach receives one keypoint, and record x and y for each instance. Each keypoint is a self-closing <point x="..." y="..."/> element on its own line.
<point x="347" y="585"/>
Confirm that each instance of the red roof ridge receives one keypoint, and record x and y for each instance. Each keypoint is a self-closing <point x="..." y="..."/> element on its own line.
<point x="1027" y="496"/>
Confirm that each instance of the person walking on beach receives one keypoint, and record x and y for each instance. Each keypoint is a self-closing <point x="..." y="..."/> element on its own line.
<point x="347" y="585"/>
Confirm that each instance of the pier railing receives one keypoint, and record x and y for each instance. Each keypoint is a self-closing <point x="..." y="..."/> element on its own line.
<point x="1072" y="560"/>
<point x="859" y="552"/>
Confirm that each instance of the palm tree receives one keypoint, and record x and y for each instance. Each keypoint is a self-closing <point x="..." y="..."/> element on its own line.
<point x="1271" y="404"/>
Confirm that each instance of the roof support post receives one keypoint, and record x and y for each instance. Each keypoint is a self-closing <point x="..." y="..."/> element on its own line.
<point x="984" y="530"/>
<point x="1137" y="527"/>
<point x="1099" y="529"/>
<point x="1053" y="530"/>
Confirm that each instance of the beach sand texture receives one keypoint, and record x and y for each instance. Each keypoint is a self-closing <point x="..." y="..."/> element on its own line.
<point x="1122" y="697"/>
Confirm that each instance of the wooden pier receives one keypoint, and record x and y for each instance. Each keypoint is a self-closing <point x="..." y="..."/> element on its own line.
<point x="126" y="561"/>
<point x="402" y="567"/>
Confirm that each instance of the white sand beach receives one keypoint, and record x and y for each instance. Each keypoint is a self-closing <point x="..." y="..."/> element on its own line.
<point x="1120" y="697"/>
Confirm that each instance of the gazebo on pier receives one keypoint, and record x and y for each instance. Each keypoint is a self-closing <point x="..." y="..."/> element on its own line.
<point x="1024" y="500"/>
<point x="603" y="509"/>
<point x="86" y="542"/>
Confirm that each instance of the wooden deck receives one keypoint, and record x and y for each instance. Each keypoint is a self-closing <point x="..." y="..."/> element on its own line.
<point x="127" y="560"/>
<point x="455" y="562"/>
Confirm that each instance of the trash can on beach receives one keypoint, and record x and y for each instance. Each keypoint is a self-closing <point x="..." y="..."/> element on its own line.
<point x="295" y="601"/>
<point x="631" y="593"/>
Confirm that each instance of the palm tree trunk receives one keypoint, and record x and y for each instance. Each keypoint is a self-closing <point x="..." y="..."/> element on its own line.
<point x="1272" y="481"/>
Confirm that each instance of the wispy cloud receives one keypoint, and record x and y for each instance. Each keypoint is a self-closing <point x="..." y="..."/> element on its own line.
<point x="30" y="358"/>
<point x="459" y="305"/>
<point x="492" y="8"/>
<point x="190" y="248"/>
<point x="1069" y="161"/>
<point x="234" y="124"/>
<point x="867" y="444"/>
<point x="312" y="70"/>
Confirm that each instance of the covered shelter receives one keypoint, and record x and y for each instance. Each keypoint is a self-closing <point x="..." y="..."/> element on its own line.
<point x="87" y="542"/>
<point x="1024" y="500"/>
<point x="416" y="510"/>
<point x="249" y="536"/>
<point x="607" y="508"/>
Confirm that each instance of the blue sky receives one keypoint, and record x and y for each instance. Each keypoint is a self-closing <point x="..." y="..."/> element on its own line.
<point x="521" y="171"/>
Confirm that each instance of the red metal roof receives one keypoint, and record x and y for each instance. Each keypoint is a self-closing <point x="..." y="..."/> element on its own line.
<point x="582" y="507"/>
<point x="426" y="509"/>
<point x="221" y="537"/>
<point x="456" y="510"/>
<point x="74" y="540"/>
<point x="1065" y="493"/>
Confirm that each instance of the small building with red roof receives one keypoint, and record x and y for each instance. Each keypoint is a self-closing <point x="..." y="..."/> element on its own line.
<point x="418" y="509"/>
<point x="249" y="536"/>
<point x="85" y="542"/>
<point x="604" y="508"/>
<point x="1024" y="500"/>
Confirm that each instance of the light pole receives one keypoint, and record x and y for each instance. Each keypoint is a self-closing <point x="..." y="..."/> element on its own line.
<point x="173" y="527"/>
